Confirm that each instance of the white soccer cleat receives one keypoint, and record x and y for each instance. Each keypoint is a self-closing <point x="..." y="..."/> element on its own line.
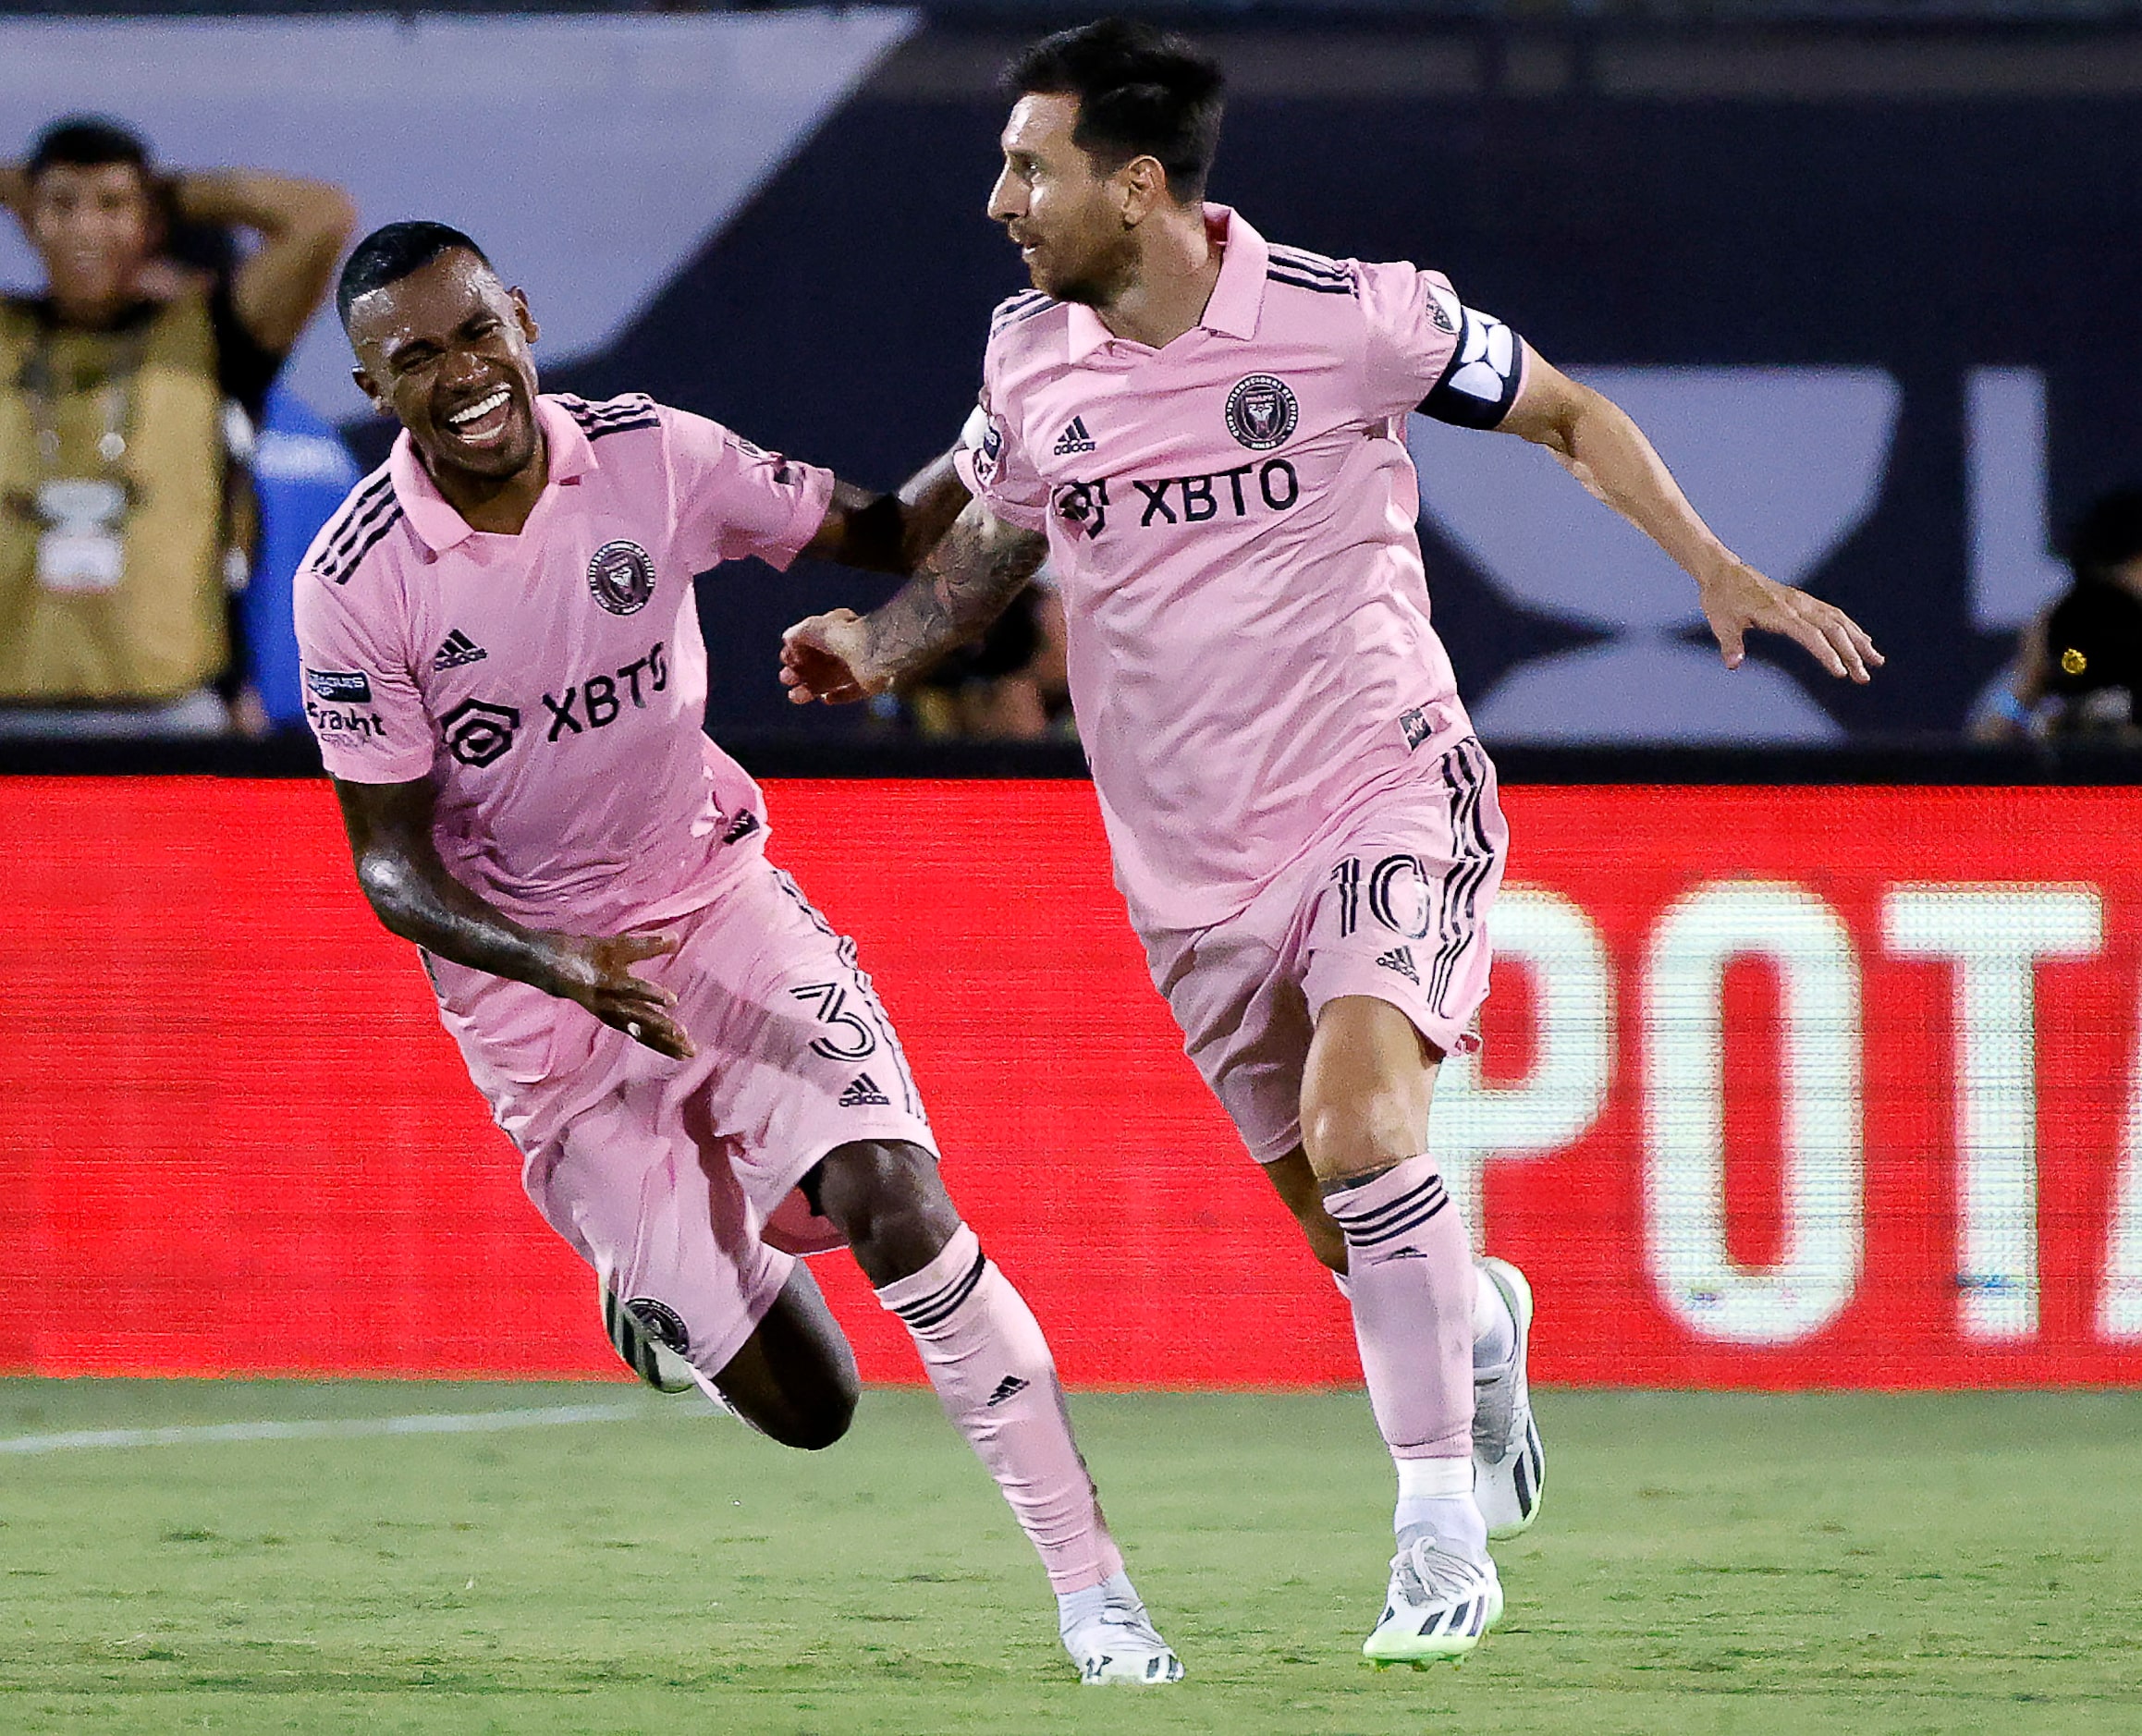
<point x="1438" y="1606"/>
<point x="1119" y="1647"/>
<point x="1509" y="1464"/>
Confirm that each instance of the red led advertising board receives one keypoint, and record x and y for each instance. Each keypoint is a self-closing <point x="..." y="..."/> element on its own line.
<point x="1782" y="1087"/>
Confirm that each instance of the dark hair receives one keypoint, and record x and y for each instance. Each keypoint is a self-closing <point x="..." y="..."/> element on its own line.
<point x="1141" y="93"/>
<point x="390" y="254"/>
<point x="83" y="142"/>
<point x="2107" y="536"/>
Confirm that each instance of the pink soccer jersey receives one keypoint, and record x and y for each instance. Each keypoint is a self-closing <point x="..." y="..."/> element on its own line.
<point x="1231" y="521"/>
<point x="554" y="683"/>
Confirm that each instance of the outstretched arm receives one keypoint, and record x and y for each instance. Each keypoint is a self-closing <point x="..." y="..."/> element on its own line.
<point x="1596" y="441"/>
<point x="964" y="584"/>
<point x="891" y="532"/>
<point x="413" y="895"/>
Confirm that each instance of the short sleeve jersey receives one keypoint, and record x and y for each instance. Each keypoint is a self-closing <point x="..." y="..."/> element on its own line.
<point x="553" y="683"/>
<point x="1232" y="525"/>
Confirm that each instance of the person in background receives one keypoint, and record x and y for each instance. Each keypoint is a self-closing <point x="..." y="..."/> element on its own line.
<point x="125" y="523"/>
<point x="2077" y="673"/>
<point x="1010" y="685"/>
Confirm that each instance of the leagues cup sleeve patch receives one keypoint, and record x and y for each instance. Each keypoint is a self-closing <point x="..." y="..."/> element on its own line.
<point x="342" y="687"/>
<point x="621" y="576"/>
<point x="989" y="452"/>
<point x="1262" y="411"/>
<point x="1486" y="369"/>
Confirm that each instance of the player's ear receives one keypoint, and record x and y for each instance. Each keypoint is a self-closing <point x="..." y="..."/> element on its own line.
<point x="1142" y="185"/>
<point x="529" y="329"/>
<point x="370" y="388"/>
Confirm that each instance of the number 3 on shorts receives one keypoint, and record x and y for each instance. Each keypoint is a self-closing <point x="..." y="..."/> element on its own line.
<point x="831" y="1000"/>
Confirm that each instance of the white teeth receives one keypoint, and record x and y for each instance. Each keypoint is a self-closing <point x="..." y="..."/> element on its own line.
<point x="482" y="406"/>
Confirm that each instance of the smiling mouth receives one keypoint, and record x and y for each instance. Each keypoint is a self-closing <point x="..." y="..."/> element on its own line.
<point x="484" y="419"/>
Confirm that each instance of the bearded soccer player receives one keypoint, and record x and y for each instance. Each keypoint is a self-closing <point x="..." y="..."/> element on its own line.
<point x="1204" y="432"/>
<point x="506" y="678"/>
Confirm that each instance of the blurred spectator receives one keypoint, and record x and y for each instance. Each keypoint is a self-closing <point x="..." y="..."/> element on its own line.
<point x="1008" y="687"/>
<point x="130" y="388"/>
<point x="2078" y="667"/>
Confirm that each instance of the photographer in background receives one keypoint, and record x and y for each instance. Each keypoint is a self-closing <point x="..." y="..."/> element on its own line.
<point x="2078" y="674"/>
<point x="125" y="517"/>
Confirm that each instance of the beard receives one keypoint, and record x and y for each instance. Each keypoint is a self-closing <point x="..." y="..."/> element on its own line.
<point x="1100" y="276"/>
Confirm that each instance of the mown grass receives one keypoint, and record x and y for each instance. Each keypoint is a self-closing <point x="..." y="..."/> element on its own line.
<point x="1709" y="1565"/>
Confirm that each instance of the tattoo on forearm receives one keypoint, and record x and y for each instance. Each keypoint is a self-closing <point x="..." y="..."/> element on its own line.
<point x="962" y="585"/>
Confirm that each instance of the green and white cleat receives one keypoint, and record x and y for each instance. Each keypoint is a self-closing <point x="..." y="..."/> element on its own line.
<point x="1119" y="1646"/>
<point x="640" y="1334"/>
<point x="637" y="1333"/>
<point x="1439" y="1605"/>
<point x="1509" y="1463"/>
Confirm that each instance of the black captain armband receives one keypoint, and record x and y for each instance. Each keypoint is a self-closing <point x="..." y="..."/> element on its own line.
<point x="1485" y="372"/>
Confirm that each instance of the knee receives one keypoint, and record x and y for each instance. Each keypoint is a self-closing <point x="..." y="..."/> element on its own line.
<point x="1364" y="1131"/>
<point x="889" y="1200"/>
<point x="815" y="1424"/>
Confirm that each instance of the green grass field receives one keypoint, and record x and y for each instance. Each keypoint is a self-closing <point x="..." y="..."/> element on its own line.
<point x="1706" y="1564"/>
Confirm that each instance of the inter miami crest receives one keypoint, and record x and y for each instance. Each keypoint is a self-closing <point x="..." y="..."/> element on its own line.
<point x="621" y="576"/>
<point x="1261" y="411"/>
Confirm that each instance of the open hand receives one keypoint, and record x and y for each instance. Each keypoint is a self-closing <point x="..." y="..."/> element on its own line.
<point x="827" y="658"/>
<point x="597" y="973"/>
<point x="1738" y="597"/>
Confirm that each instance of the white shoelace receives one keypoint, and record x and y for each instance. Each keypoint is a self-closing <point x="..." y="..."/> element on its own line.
<point x="1428" y="1573"/>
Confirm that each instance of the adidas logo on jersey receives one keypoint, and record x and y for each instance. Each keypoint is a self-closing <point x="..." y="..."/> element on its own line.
<point x="864" y="1094"/>
<point x="1401" y="958"/>
<point x="1074" y="439"/>
<point x="1010" y="1386"/>
<point x="457" y="651"/>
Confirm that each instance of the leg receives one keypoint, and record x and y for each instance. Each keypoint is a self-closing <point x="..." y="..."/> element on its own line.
<point x="994" y="1375"/>
<point x="1365" y="1111"/>
<point x="1364" y="1108"/>
<point x="1295" y="1182"/>
<point x="794" y="1379"/>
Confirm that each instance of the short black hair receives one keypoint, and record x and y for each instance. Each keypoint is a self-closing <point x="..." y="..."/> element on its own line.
<point x="389" y="254"/>
<point x="1142" y="92"/>
<point x="2107" y="536"/>
<point x="86" y="141"/>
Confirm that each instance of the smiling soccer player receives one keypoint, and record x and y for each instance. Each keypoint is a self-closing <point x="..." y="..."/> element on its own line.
<point x="506" y="678"/>
<point x="1204" y="433"/>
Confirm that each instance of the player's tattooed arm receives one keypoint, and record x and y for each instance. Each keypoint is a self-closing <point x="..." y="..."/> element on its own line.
<point x="413" y="895"/>
<point x="892" y="532"/>
<point x="1597" y="442"/>
<point x="964" y="584"/>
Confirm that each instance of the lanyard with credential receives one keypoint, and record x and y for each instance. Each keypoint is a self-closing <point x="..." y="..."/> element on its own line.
<point x="40" y="380"/>
<point x="81" y="541"/>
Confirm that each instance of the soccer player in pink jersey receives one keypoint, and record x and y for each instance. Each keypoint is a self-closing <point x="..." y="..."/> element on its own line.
<point x="505" y="675"/>
<point x="1204" y="432"/>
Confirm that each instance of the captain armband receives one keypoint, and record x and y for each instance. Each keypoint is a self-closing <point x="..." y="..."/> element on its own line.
<point x="1484" y="374"/>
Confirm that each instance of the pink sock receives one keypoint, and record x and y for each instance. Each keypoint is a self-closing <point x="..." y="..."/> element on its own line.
<point x="995" y="1377"/>
<point x="1410" y="1279"/>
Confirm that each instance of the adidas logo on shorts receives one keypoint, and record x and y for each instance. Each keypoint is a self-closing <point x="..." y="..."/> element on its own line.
<point x="1401" y="958"/>
<point x="1073" y="439"/>
<point x="864" y="1094"/>
<point x="1010" y="1386"/>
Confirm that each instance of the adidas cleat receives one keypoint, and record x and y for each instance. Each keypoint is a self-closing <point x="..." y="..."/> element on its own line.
<point x="1509" y="1464"/>
<point x="1439" y="1605"/>
<point x="1121" y="1648"/>
<point x="637" y="1332"/>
